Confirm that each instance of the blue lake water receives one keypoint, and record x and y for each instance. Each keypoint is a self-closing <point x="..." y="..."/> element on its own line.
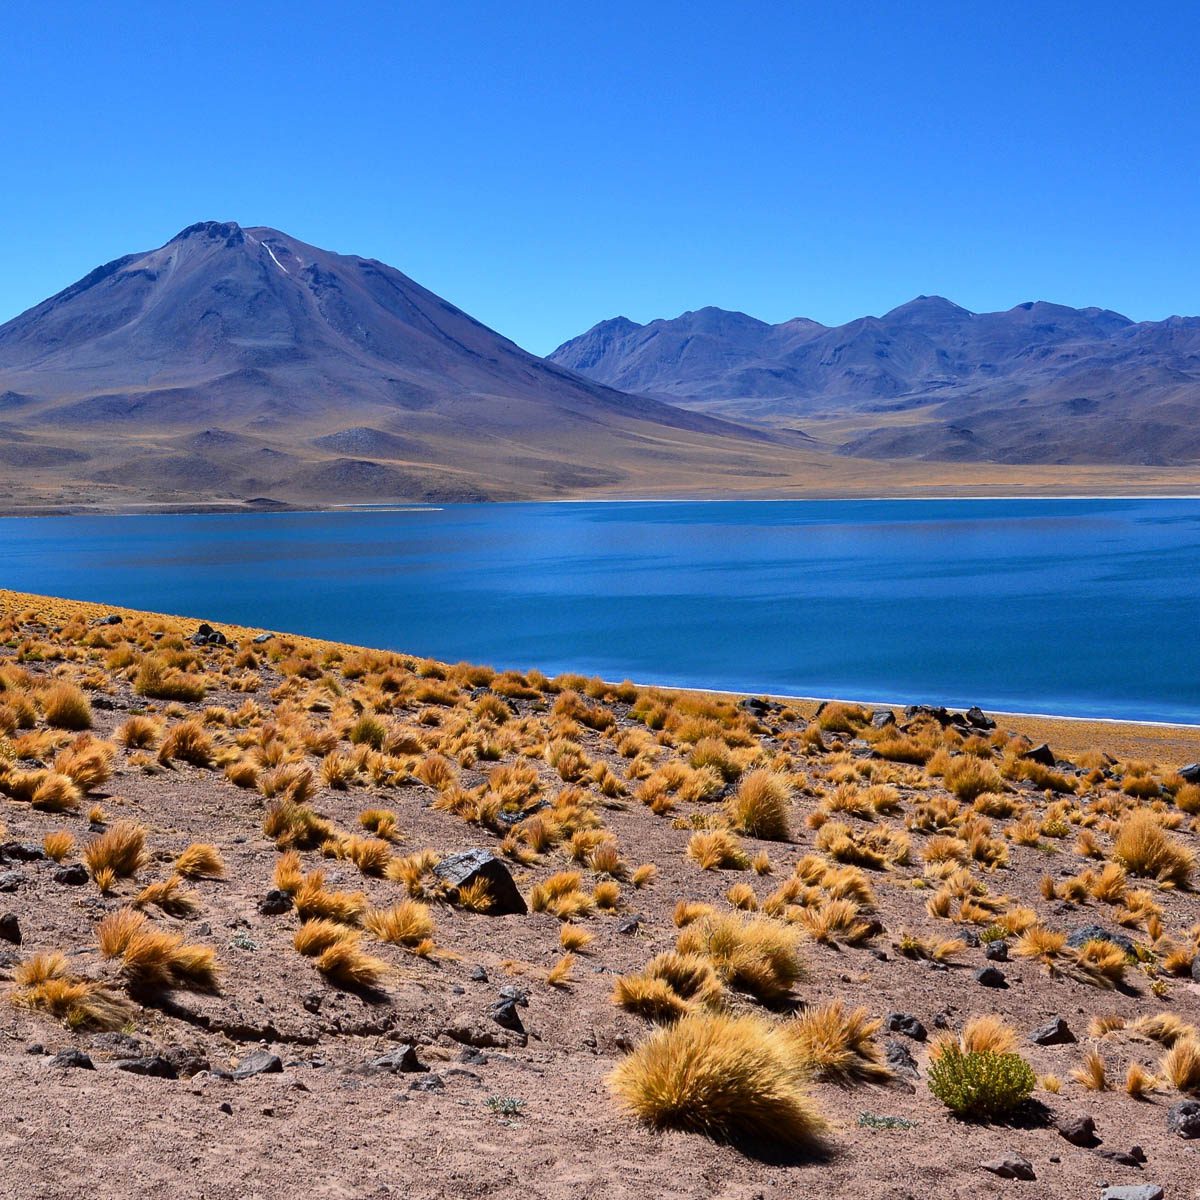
<point x="1081" y="607"/>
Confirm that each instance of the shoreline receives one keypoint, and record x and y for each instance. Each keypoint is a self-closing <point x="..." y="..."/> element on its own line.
<point x="234" y="508"/>
<point x="1180" y="740"/>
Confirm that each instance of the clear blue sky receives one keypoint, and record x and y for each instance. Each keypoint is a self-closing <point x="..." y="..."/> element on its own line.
<point x="547" y="165"/>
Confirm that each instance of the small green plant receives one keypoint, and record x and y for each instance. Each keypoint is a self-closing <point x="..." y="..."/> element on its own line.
<point x="993" y="933"/>
<point x="867" y="1120"/>
<point x="982" y="1084"/>
<point x="506" y="1106"/>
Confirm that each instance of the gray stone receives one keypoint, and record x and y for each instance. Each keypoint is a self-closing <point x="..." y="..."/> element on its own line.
<point x="460" y="870"/>
<point x="261" y="1062"/>
<point x="996" y="951"/>
<point x="403" y="1058"/>
<point x="1053" y="1033"/>
<point x="73" y="876"/>
<point x="505" y="1014"/>
<point x="262" y="638"/>
<point x="479" y="974"/>
<point x="1097" y="933"/>
<point x="186" y="1062"/>
<point x="10" y="881"/>
<point x="899" y="1057"/>
<point x="991" y="977"/>
<point x="274" y="903"/>
<point x="1010" y="1166"/>
<point x="427" y="1083"/>
<point x="122" y="1045"/>
<point x="628" y="925"/>
<point x="21" y="852"/>
<point x="907" y="1024"/>
<point x="979" y="719"/>
<point x="1190" y="773"/>
<point x="1184" y="1119"/>
<point x="1135" y="1156"/>
<point x="881" y="718"/>
<point x="10" y="928"/>
<point x="1077" y="1128"/>
<point x="153" y="1064"/>
<point x="1137" y="1191"/>
<point x="1040" y="754"/>
<point x="73" y="1058"/>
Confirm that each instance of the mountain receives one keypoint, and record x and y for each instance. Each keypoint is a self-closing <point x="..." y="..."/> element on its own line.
<point x="1040" y="383"/>
<point x="236" y="363"/>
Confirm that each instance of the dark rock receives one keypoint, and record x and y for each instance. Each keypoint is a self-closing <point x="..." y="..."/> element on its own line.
<point x="1190" y="773"/>
<point x="10" y="928"/>
<point x="103" y="703"/>
<point x="403" y="1058"/>
<point x="1077" y="1128"/>
<point x="881" y="718"/>
<point x="1010" y="1166"/>
<point x="226" y="1108"/>
<point x="517" y="995"/>
<point x="758" y="705"/>
<point x="1053" y="1033"/>
<point x="74" y="875"/>
<point x="73" y="1058"/>
<point x="505" y="1014"/>
<point x="996" y="951"/>
<point x="262" y="638"/>
<point x="991" y="977"/>
<point x="35" y="1048"/>
<point x="1137" y="1191"/>
<point x="978" y="719"/>
<point x="21" y="852"/>
<point x="479" y="974"/>
<point x="1184" y="1119"/>
<point x="907" y="1024"/>
<point x="10" y="881"/>
<point x="428" y="1083"/>
<point x="1040" y="754"/>
<point x="899" y="1057"/>
<point x="629" y="925"/>
<point x="261" y="1062"/>
<point x="312" y="1002"/>
<point x="111" y="619"/>
<point x="939" y="714"/>
<point x="1097" y="933"/>
<point x="1133" y="1157"/>
<point x="154" y="1064"/>
<point x="460" y="870"/>
<point x="186" y="1062"/>
<point x="274" y="903"/>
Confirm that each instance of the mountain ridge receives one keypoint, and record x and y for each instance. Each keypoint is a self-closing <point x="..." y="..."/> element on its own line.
<point x="1037" y="383"/>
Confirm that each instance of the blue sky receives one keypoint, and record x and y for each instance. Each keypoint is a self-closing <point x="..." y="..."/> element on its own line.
<point x="545" y="166"/>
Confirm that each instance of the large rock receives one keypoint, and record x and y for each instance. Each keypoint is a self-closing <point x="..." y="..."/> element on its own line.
<point x="10" y="928"/>
<point x="1136" y="1191"/>
<point x="1184" y="1119"/>
<point x="1097" y="933"/>
<point x="154" y="1065"/>
<point x="1040" y="754"/>
<point x="1077" y="1128"/>
<point x="261" y="1062"/>
<point x="1190" y="773"/>
<point x="403" y="1058"/>
<point x="1053" y="1033"/>
<point x="73" y="1059"/>
<point x="907" y="1024"/>
<point x="1010" y="1166"/>
<point x="460" y="870"/>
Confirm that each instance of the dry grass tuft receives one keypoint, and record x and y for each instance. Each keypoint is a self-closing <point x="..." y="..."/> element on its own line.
<point x="729" y="1078"/>
<point x="759" y="806"/>
<point x="121" y="850"/>
<point x="200" y="860"/>
<point x="1144" y="848"/>
<point x="65" y="707"/>
<point x="407" y="923"/>
<point x="838" y="1045"/>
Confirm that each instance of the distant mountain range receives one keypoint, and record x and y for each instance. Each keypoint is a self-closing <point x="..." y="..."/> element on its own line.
<point x="237" y="362"/>
<point x="1040" y="383"/>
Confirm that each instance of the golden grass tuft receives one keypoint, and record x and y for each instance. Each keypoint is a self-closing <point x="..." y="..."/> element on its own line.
<point x="187" y="742"/>
<point x="1139" y="1082"/>
<point x="346" y="965"/>
<point x="55" y="793"/>
<point x="759" y="806"/>
<point x="313" y="899"/>
<point x="199" y="861"/>
<point x="717" y="849"/>
<point x="154" y="960"/>
<point x="65" y="707"/>
<point x="559" y="975"/>
<point x="838" y="1045"/>
<point x="121" y="850"/>
<point x="756" y="955"/>
<point x="171" y="895"/>
<point x="1092" y="1072"/>
<point x="406" y="924"/>
<point x="1181" y="1064"/>
<point x="46" y="984"/>
<point x="1145" y="848"/>
<point x="58" y="844"/>
<point x="730" y="1078"/>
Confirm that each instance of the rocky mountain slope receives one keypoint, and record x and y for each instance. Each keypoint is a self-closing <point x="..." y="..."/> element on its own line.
<point x="237" y="362"/>
<point x="1040" y="383"/>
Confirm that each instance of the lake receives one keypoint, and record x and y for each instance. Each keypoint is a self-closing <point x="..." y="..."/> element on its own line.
<point x="1080" y="607"/>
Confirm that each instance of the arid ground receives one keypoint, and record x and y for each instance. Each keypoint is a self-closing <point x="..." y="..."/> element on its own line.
<point x="227" y="878"/>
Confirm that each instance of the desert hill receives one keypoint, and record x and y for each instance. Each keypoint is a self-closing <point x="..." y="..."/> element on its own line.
<point x="1040" y="383"/>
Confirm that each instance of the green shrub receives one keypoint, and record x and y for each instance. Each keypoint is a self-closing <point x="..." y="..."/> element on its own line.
<point x="980" y="1084"/>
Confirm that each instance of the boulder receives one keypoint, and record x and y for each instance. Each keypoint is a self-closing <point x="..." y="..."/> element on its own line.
<point x="996" y="951"/>
<point x="73" y="1059"/>
<point x="899" y="1057"/>
<point x="978" y="719"/>
<point x="1190" y="773"/>
<point x="261" y="1062"/>
<point x="154" y="1065"/>
<point x="1077" y="1128"/>
<point x="1097" y="933"/>
<point x="881" y="718"/>
<point x="991" y="977"/>
<point x="1183" y="1119"/>
<point x="262" y="638"/>
<point x="402" y="1059"/>
<point x="460" y="870"/>
<point x="1010" y="1166"/>
<point x="10" y="928"/>
<point x="907" y="1024"/>
<point x="1040" y="754"/>
<point x="1137" y="1191"/>
<point x="74" y="875"/>
<point x="1053" y="1033"/>
<point x="274" y="903"/>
